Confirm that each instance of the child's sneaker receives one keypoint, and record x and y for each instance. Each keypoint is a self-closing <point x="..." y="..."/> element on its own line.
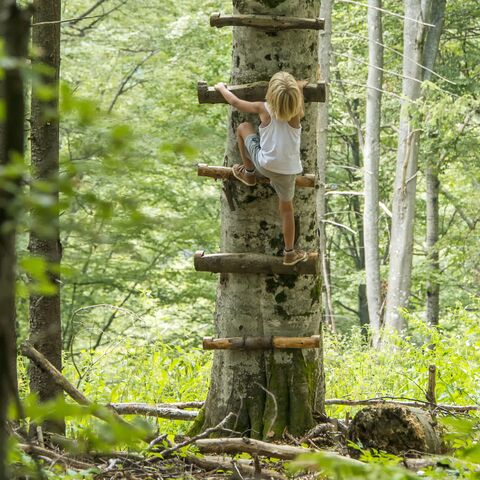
<point x="240" y="173"/>
<point x="294" y="256"/>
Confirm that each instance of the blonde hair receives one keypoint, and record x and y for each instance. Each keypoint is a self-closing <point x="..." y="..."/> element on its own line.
<point x="284" y="96"/>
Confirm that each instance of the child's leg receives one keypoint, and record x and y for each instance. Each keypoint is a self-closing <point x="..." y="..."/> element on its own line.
<point x="243" y="131"/>
<point x="288" y="223"/>
<point x="291" y="256"/>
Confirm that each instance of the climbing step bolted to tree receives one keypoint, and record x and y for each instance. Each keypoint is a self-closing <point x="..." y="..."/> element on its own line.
<point x="255" y="92"/>
<point x="225" y="173"/>
<point x="253" y="263"/>
<point x="260" y="343"/>
<point x="268" y="23"/>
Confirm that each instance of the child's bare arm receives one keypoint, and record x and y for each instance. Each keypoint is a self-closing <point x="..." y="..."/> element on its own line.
<point x="301" y="85"/>
<point x="234" y="101"/>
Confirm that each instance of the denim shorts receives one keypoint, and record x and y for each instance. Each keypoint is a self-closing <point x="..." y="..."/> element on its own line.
<point x="283" y="184"/>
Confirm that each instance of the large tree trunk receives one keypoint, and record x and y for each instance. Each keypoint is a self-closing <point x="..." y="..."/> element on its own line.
<point x="403" y="211"/>
<point x="324" y="53"/>
<point x="371" y="165"/>
<point x="275" y="390"/>
<point x="45" y="324"/>
<point x="431" y="176"/>
<point x="15" y="30"/>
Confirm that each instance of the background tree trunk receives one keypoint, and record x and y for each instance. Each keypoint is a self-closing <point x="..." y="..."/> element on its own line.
<point x="371" y="162"/>
<point x="431" y="175"/>
<point x="45" y="321"/>
<point x="15" y="30"/>
<point x="358" y="252"/>
<point x="275" y="390"/>
<point x="404" y="196"/>
<point x="324" y="54"/>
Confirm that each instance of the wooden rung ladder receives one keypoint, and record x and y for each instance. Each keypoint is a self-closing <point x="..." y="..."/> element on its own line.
<point x="255" y="92"/>
<point x="268" y="23"/>
<point x="253" y="263"/>
<point x="260" y="343"/>
<point x="225" y="173"/>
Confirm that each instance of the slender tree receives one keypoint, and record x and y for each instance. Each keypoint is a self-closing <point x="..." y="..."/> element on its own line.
<point x="270" y="391"/>
<point x="15" y="27"/>
<point x="431" y="175"/>
<point x="324" y="54"/>
<point x="371" y="160"/>
<point x="403" y="211"/>
<point x="45" y="323"/>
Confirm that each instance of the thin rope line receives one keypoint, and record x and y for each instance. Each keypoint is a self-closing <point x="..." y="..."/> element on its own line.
<point x="401" y="54"/>
<point x="399" y="75"/>
<point x="346" y="82"/>
<point x="393" y="14"/>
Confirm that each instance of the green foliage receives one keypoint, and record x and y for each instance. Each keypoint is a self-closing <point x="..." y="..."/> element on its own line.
<point x="354" y="370"/>
<point x="343" y="468"/>
<point x="133" y="213"/>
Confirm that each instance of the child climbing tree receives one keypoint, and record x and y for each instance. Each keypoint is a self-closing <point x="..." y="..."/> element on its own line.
<point x="272" y="390"/>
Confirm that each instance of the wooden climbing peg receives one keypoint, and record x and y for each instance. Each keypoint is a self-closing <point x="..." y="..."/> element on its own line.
<point x="269" y="23"/>
<point x="260" y="343"/>
<point x="225" y="173"/>
<point x="255" y="92"/>
<point x="253" y="263"/>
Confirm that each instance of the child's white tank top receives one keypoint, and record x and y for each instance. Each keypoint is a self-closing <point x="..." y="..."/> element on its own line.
<point x="280" y="147"/>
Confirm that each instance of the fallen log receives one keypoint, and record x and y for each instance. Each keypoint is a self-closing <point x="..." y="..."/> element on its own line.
<point x="55" y="456"/>
<point x="101" y="412"/>
<point x="159" y="410"/>
<point x="416" y="464"/>
<point x="251" y="446"/>
<point x="221" y="427"/>
<point x="395" y="429"/>
<point x="391" y="401"/>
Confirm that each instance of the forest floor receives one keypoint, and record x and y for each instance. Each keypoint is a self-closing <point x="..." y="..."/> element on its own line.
<point x="185" y="463"/>
<point x="324" y="448"/>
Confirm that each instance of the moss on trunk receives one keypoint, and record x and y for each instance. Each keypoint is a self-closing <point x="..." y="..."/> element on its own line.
<point x="290" y="396"/>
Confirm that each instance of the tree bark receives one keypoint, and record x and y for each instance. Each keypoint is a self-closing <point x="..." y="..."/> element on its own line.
<point x="371" y="161"/>
<point x="403" y="211"/>
<point x="268" y="391"/>
<point x="14" y="29"/>
<point x="45" y="321"/>
<point x="432" y="178"/>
